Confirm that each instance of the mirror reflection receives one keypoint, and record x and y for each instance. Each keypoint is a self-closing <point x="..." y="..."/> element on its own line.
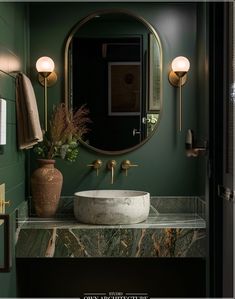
<point x="113" y="65"/>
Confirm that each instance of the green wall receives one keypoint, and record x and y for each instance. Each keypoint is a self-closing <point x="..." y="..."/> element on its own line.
<point x="202" y="88"/>
<point x="13" y="37"/>
<point x="163" y="168"/>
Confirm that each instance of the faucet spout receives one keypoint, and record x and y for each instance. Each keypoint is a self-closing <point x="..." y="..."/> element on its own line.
<point x="112" y="175"/>
<point x="111" y="166"/>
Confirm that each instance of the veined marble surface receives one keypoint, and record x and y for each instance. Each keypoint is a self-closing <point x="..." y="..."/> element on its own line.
<point x="161" y="235"/>
<point x="188" y="221"/>
<point x="71" y="243"/>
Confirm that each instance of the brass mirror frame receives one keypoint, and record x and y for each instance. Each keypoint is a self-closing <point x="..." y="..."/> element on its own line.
<point x="76" y="27"/>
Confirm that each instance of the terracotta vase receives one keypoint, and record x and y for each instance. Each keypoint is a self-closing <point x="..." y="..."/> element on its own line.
<point x="46" y="184"/>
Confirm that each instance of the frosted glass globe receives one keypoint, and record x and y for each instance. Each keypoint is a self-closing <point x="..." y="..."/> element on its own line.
<point x="180" y="64"/>
<point x="45" y="64"/>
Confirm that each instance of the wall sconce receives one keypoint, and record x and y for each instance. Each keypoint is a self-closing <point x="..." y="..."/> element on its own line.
<point x="178" y="77"/>
<point x="47" y="77"/>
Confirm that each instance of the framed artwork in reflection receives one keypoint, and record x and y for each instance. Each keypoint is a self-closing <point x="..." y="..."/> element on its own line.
<point x="124" y="88"/>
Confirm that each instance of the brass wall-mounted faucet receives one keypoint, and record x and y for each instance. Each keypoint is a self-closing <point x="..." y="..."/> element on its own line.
<point x="111" y="166"/>
<point x="97" y="164"/>
<point x="126" y="164"/>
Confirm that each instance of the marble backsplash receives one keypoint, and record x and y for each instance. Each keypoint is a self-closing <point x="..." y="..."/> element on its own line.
<point x="162" y="204"/>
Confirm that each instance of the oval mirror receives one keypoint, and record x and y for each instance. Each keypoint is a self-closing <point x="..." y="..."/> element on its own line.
<point x="113" y="64"/>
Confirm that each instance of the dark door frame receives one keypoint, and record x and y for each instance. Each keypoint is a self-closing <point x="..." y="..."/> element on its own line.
<point x="219" y="62"/>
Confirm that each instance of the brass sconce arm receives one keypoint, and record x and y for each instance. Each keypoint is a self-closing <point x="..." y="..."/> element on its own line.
<point x="45" y="67"/>
<point x="178" y="77"/>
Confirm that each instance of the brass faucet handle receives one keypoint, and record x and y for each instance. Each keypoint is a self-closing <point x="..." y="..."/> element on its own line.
<point x="126" y="164"/>
<point x="97" y="164"/>
<point x="111" y="164"/>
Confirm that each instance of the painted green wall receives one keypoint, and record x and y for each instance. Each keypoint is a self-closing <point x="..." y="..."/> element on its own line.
<point x="202" y="88"/>
<point x="13" y="36"/>
<point x="163" y="167"/>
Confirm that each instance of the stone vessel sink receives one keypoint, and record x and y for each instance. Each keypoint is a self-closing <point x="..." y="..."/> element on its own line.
<point x="111" y="206"/>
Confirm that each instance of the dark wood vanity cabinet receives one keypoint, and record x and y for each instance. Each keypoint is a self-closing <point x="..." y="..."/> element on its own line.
<point x="78" y="277"/>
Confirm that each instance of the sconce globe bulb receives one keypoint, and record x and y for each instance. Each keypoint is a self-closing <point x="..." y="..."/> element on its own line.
<point x="180" y="64"/>
<point x="45" y="64"/>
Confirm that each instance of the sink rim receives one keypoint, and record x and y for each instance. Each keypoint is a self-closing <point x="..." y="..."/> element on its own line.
<point x="110" y="194"/>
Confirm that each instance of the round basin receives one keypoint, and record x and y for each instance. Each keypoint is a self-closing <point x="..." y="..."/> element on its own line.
<point x="111" y="206"/>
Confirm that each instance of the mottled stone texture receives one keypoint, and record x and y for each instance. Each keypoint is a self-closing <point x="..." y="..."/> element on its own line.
<point x="165" y="242"/>
<point x="111" y="206"/>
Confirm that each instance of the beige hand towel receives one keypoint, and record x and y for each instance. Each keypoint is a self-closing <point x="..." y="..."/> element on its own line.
<point x="28" y="123"/>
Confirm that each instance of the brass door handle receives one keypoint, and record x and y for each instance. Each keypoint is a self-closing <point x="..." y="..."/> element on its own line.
<point x="135" y="132"/>
<point x="7" y="243"/>
<point x="3" y="203"/>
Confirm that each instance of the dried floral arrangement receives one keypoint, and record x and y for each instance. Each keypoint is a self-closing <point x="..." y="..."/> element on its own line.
<point x="66" y="129"/>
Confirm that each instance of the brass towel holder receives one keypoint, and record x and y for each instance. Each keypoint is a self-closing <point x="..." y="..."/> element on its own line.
<point x="5" y="220"/>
